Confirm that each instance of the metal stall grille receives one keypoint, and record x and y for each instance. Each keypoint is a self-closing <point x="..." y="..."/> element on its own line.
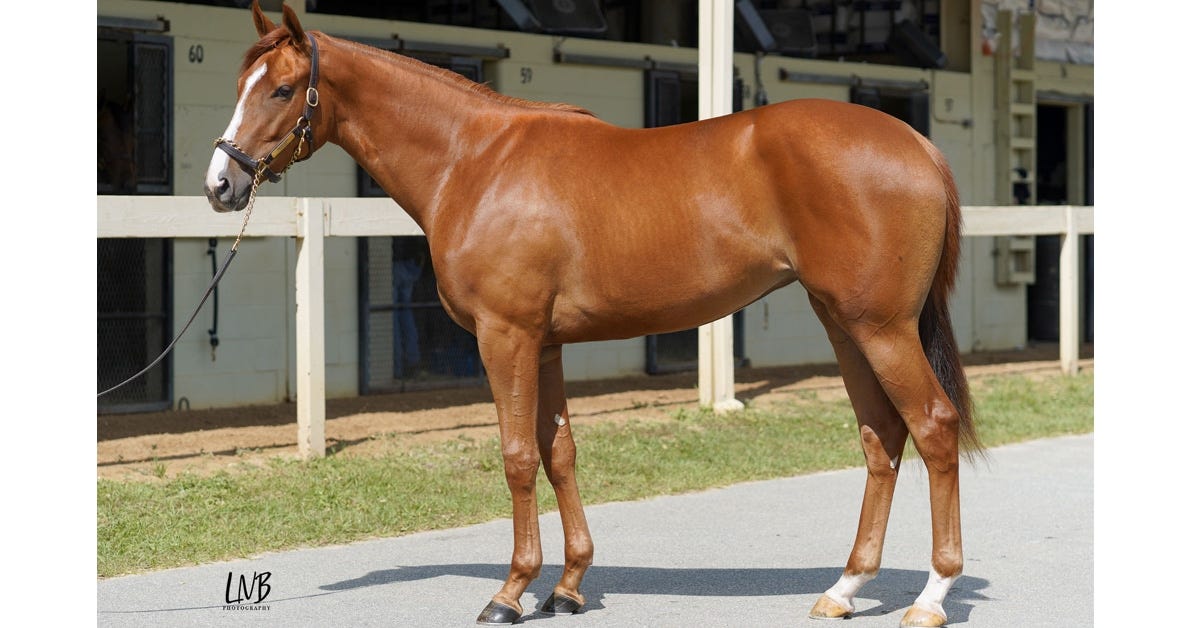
<point x="133" y="276"/>
<point x="153" y="110"/>
<point x="134" y="122"/>
<point x="406" y="339"/>
<point x="133" y="322"/>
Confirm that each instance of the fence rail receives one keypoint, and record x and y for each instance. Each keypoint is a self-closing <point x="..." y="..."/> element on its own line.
<point x="310" y="220"/>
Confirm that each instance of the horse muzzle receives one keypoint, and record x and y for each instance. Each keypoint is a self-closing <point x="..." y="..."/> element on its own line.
<point x="228" y="191"/>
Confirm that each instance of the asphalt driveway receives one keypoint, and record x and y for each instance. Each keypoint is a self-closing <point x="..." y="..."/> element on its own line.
<point x="752" y="554"/>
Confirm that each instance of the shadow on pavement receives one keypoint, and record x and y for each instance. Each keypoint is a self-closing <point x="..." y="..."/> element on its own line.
<point x="894" y="589"/>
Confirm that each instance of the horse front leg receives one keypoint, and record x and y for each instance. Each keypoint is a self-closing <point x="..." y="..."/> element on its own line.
<point x="557" y="447"/>
<point x="511" y="358"/>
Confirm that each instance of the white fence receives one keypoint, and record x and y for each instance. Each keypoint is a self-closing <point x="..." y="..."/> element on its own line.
<point x="310" y="220"/>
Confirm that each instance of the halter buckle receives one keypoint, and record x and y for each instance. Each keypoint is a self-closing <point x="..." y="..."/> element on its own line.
<point x="311" y="98"/>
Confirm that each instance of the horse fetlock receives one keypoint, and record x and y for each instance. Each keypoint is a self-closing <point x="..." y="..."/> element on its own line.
<point x="523" y="572"/>
<point x="947" y="565"/>
<point x="579" y="554"/>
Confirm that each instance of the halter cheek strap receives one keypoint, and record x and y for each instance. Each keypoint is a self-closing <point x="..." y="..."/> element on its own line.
<point x="301" y="133"/>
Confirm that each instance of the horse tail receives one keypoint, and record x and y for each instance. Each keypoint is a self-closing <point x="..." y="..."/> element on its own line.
<point x="937" y="335"/>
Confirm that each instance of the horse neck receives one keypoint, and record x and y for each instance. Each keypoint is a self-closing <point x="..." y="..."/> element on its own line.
<point x="403" y="125"/>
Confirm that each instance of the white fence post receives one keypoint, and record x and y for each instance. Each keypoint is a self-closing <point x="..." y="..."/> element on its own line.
<point x="310" y="327"/>
<point x="1068" y="295"/>
<point x="716" y="99"/>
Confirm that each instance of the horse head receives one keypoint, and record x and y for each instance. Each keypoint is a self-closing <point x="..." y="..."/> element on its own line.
<point x="275" y="121"/>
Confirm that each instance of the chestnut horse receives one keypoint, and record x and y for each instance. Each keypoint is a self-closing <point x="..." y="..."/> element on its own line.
<point x="548" y="226"/>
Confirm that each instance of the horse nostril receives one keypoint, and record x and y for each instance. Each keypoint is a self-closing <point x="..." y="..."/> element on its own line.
<point x="222" y="186"/>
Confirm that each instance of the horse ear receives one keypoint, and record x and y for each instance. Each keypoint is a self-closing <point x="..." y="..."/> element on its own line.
<point x="262" y="23"/>
<point x="293" y="25"/>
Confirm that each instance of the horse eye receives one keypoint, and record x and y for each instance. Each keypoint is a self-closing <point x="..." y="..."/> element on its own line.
<point x="284" y="91"/>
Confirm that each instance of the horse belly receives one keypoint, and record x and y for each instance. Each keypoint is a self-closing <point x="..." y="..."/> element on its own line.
<point x="660" y="296"/>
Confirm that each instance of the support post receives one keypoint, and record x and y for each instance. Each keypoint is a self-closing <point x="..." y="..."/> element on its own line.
<point x="310" y="327"/>
<point x="1068" y="295"/>
<point x="716" y="99"/>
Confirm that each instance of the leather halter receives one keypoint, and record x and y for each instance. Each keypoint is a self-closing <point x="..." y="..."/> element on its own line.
<point x="302" y="132"/>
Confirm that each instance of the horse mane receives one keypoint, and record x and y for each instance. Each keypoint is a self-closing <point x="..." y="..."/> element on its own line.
<point x="272" y="40"/>
<point x="261" y="47"/>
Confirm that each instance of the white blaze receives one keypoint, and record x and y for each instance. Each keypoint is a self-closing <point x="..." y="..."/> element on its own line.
<point x="220" y="160"/>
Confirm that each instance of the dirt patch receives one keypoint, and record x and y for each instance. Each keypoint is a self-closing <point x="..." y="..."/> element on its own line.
<point x="157" y="445"/>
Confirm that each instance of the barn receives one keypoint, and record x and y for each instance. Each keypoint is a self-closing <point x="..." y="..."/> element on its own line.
<point x="1003" y="87"/>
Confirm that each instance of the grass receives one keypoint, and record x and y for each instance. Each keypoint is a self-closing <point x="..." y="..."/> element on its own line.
<point x="191" y="519"/>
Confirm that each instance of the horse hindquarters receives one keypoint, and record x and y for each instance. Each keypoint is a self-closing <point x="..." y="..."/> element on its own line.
<point x="901" y="367"/>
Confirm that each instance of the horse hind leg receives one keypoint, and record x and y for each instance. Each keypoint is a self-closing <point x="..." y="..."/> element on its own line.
<point x="557" y="447"/>
<point x="882" y="434"/>
<point x="897" y="358"/>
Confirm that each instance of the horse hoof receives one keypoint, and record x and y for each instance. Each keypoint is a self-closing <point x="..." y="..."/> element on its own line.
<point x="560" y="605"/>
<point x="917" y="616"/>
<point x="826" y="608"/>
<point x="497" y="614"/>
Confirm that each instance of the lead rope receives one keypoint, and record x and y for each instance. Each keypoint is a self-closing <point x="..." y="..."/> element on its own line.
<point x="258" y="176"/>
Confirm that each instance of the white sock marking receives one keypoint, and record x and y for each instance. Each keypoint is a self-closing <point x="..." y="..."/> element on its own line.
<point x="847" y="587"/>
<point x="935" y="592"/>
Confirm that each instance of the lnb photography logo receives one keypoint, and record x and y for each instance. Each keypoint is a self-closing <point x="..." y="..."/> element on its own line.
<point x="247" y="593"/>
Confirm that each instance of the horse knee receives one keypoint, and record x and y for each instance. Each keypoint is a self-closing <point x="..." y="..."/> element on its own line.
<point x="520" y="469"/>
<point x="560" y="470"/>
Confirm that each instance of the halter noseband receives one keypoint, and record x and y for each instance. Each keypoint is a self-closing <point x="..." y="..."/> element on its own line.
<point x="302" y="132"/>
